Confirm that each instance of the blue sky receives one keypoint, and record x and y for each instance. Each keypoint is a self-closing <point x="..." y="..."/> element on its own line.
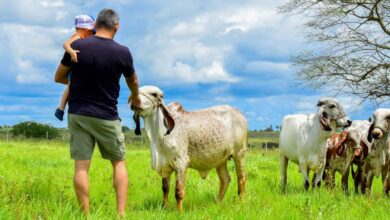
<point x="200" y="53"/>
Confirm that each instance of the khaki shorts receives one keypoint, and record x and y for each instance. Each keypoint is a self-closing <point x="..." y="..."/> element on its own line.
<point x="85" y="131"/>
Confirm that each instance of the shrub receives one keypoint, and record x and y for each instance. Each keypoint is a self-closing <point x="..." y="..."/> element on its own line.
<point x="31" y="129"/>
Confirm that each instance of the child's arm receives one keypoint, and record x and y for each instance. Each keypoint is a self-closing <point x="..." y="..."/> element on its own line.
<point x="69" y="49"/>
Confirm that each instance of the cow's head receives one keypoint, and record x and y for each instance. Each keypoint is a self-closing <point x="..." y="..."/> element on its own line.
<point x="347" y="141"/>
<point x="331" y="114"/>
<point x="151" y="103"/>
<point x="381" y="125"/>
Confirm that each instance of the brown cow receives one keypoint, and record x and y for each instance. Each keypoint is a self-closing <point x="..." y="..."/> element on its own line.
<point x="341" y="150"/>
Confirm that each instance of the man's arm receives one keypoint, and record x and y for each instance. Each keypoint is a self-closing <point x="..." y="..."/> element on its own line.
<point x="132" y="83"/>
<point x="61" y="75"/>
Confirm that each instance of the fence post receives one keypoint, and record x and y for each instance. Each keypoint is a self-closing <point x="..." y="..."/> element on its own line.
<point x="47" y="135"/>
<point x="7" y="135"/>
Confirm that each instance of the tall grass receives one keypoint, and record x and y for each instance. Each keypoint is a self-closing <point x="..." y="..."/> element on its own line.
<point x="36" y="183"/>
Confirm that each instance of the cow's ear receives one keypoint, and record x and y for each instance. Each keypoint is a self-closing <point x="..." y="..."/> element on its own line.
<point x="168" y="120"/>
<point x="324" y="121"/>
<point x="137" y="130"/>
<point x="369" y="134"/>
<point x="340" y="144"/>
<point x="320" y="103"/>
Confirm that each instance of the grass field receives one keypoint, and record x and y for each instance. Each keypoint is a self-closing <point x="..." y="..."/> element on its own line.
<point x="36" y="183"/>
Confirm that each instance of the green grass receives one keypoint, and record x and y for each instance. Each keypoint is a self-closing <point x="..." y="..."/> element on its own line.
<point x="36" y="183"/>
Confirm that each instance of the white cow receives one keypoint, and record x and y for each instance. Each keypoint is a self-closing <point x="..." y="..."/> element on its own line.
<point x="377" y="162"/>
<point x="202" y="140"/>
<point x="303" y="139"/>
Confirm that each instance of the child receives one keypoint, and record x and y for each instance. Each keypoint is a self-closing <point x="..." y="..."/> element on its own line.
<point x="84" y="25"/>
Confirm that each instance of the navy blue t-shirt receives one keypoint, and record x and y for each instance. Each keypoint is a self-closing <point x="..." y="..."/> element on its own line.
<point x="94" y="83"/>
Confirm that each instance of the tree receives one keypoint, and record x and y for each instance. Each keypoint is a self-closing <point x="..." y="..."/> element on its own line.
<point x="352" y="46"/>
<point x="31" y="129"/>
<point x="269" y="129"/>
<point x="125" y="128"/>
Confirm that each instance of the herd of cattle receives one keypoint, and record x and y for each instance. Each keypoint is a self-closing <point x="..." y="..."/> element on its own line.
<point x="311" y="142"/>
<point x="208" y="138"/>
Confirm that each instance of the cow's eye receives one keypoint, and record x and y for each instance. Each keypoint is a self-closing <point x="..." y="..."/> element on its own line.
<point x="154" y="95"/>
<point x="332" y="106"/>
<point x="388" y="118"/>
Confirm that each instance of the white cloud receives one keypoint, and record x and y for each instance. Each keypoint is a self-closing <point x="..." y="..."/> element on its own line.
<point x="30" y="49"/>
<point x="212" y="73"/>
<point x="34" y="12"/>
<point x="29" y="74"/>
<point x="199" y="47"/>
<point x="268" y="66"/>
<point x="52" y="4"/>
<point x="35" y="43"/>
<point x="248" y="18"/>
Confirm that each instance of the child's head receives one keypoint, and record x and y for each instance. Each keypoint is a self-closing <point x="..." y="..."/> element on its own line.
<point x="84" y="25"/>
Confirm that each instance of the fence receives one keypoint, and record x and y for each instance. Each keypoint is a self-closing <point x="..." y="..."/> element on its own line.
<point x="138" y="141"/>
<point x="266" y="140"/>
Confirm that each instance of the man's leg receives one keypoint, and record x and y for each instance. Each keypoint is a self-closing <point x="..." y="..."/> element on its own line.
<point x="120" y="184"/>
<point x="81" y="183"/>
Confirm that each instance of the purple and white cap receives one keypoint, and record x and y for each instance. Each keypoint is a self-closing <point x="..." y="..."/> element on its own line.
<point x="84" y="22"/>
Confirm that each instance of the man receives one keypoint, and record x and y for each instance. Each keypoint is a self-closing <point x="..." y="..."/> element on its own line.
<point x="93" y="114"/>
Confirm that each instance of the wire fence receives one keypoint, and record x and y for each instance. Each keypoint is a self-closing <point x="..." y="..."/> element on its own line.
<point x="266" y="140"/>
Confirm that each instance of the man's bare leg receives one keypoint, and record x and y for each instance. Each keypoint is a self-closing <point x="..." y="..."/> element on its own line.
<point x="120" y="184"/>
<point x="81" y="184"/>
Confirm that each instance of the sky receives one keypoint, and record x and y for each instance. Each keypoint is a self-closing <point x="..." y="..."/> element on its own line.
<point x="200" y="53"/>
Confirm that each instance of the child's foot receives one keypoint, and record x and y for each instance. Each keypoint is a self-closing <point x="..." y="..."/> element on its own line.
<point x="59" y="114"/>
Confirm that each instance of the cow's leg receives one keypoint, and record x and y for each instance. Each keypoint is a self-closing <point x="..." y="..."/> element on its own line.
<point x="385" y="179"/>
<point x="357" y="178"/>
<point x="313" y="180"/>
<point x="165" y="188"/>
<point x="329" y="178"/>
<point x="364" y="183"/>
<point x="305" y="175"/>
<point x="344" y="181"/>
<point x="241" y="179"/>
<point x="224" y="179"/>
<point x="180" y="192"/>
<point x="319" y="175"/>
<point x="369" y="178"/>
<point x="283" y="160"/>
<point x="388" y="186"/>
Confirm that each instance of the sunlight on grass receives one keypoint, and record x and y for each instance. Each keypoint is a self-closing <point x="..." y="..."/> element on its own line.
<point x="36" y="183"/>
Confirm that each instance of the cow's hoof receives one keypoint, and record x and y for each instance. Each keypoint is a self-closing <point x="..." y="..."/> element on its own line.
<point x="306" y="185"/>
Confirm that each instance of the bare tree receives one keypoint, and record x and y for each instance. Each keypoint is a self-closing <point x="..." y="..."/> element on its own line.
<point x="350" y="42"/>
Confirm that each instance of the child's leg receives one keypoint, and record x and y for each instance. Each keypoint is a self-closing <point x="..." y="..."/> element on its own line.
<point x="64" y="98"/>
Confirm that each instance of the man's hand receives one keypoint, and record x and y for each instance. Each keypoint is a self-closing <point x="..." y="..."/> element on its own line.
<point x="135" y="100"/>
<point x="73" y="55"/>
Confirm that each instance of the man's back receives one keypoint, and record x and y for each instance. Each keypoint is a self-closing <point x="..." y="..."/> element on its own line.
<point x="94" y="86"/>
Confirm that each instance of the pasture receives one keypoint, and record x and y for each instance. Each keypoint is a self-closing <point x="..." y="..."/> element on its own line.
<point x="36" y="183"/>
